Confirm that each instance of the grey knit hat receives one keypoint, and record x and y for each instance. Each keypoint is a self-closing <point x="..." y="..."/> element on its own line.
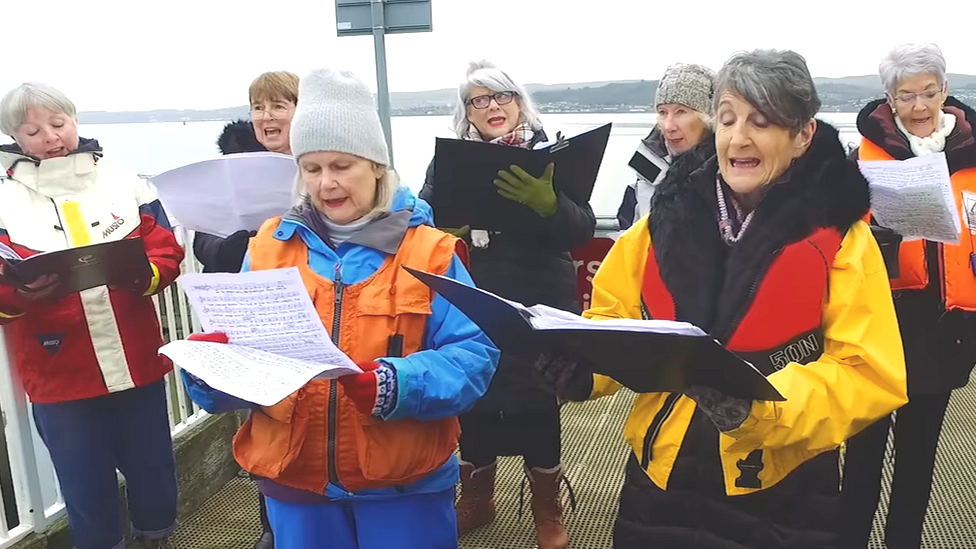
<point x="336" y="114"/>
<point x="686" y="84"/>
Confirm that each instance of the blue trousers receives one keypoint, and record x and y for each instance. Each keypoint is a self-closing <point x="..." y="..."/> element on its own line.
<point x="89" y="439"/>
<point x="420" y="521"/>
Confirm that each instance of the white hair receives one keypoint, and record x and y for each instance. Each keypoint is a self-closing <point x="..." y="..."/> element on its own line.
<point x="386" y="188"/>
<point x="27" y="96"/>
<point x="911" y="59"/>
<point x="484" y="74"/>
<point x="707" y="119"/>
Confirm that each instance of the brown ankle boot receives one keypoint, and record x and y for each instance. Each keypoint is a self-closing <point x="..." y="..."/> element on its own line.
<point x="547" y="509"/>
<point x="477" y="505"/>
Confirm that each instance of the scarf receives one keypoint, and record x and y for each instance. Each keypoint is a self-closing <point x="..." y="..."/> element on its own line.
<point x="521" y="136"/>
<point x="934" y="143"/>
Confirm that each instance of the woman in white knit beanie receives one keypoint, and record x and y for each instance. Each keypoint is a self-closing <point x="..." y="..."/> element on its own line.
<point x="365" y="461"/>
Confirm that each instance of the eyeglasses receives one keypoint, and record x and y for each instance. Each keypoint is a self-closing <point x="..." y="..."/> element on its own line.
<point x="276" y="111"/>
<point x="911" y="98"/>
<point x="482" y="101"/>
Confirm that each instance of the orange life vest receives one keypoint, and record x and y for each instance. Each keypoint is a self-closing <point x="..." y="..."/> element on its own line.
<point x="316" y="436"/>
<point x="958" y="281"/>
<point x="783" y="323"/>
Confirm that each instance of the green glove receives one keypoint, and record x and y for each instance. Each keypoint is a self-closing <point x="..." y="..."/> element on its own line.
<point x="459" y="233"/>
<point x="536" y="193"/>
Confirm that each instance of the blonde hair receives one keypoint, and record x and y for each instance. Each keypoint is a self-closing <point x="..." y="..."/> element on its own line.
<point x="386" y="188"/>
<point x="274" y="85"/>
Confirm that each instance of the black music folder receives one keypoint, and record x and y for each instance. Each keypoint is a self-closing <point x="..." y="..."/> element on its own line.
<point x="116" y="263"/>
<point x="464" y="171"/>
<point x="647" y="356"/>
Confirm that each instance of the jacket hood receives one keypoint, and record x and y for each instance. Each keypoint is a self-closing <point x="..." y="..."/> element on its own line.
<point x="238" y="137"/>
<point x="11" y="154"/>
<point x="655" y="142"/>
<point x="876" y="123"/>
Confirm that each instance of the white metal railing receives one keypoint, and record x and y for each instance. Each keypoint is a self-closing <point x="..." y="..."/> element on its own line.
<point x="30" y="499"/>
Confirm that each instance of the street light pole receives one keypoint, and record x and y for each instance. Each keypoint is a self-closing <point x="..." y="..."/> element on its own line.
<point x="382" y="86"/>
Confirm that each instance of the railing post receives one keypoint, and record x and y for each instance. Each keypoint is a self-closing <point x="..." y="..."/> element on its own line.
<point x="20" y="445"/>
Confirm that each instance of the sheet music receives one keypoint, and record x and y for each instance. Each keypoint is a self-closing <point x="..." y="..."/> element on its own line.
<point x="249" y="374"/>
<point x="242" y="191"/>
<point x="266" y="310"/>
<point x="914" y="197"/>
<point x="544" y="317"/>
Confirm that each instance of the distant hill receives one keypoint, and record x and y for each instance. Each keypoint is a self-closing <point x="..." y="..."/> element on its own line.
<point x="847" y="94"/>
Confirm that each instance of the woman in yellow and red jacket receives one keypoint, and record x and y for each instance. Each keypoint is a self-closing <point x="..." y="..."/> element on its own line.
<point x="366" y="461"/>
<point x="756" y="238"/>
<point x="934" y="294"/>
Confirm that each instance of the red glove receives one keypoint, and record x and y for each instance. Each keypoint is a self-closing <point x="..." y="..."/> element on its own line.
<point x="363" y="388"/>
<point x="212" y="337"/>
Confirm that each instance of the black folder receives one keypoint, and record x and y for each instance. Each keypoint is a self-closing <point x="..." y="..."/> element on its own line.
<point x="464" y="171"/>
<point x="670" y="361"/>
<point x="117" y="263"/>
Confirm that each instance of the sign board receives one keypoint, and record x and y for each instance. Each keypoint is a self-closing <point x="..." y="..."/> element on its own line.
<point x="354" y="17"/>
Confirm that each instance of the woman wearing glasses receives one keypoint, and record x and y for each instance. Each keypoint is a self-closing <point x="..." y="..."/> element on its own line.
<point x="273" y="97"/>
<point x="518" y="415"/>
<point x="935" y="294"/>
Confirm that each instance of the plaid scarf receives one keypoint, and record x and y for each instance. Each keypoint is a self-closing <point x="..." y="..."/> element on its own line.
<point x="521" y="136"/>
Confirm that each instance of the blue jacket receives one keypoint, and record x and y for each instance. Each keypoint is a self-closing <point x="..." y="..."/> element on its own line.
<point x="443" y="380"/>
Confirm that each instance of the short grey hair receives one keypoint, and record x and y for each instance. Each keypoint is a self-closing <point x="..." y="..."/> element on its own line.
<point x="27" y="96"/>
<point x="776" y="83"/>
<point x="485" y="74"/>
<point x="911" y="59"/>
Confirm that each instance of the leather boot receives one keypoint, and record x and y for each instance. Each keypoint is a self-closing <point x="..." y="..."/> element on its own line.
<point x="477" y="505"/>
<point x="547" y="509"/>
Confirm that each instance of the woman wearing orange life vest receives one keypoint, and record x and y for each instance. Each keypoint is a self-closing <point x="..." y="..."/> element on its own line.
<point x="934" y="294"/>
<point x="365" y="462"/>
<point x="757" y="238"/>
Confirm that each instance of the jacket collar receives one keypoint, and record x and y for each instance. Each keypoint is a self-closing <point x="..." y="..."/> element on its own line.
<point x="711" y="281"/>
<point x="877" y="124"/>
<point x="384" y="234"/>
<point x="52" y="177"/>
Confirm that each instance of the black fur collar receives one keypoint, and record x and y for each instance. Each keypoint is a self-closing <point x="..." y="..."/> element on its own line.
<point x="712" y="283"/>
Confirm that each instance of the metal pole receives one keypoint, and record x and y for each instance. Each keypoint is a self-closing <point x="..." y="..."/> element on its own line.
<point x="382" y="88"/>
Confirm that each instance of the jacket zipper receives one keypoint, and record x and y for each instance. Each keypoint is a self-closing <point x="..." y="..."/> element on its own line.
<point x="333" y="394"/>
<point x="655" y="428"/>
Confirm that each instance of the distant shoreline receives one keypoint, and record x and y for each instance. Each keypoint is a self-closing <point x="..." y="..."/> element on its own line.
<point x="596" y="110"/>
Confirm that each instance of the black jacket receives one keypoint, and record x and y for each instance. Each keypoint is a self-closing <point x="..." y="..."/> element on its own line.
<point x="940" y="346"/>
<point x="226" y="255"/>
<point x="531" y="265"/>
<point x="711" y="283"/>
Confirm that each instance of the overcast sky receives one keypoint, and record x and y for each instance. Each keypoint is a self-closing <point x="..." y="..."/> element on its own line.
<point x="201" y="54"/>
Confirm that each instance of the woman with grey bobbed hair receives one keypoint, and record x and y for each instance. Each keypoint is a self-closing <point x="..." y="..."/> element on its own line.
<point x="88" y="360"/>
<point x="763" y="246"/>
<point x="531" y="264"/>
<point x="935" y="295"/>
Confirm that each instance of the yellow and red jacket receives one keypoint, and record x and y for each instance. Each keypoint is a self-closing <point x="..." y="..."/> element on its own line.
<point x="804" y="296"/>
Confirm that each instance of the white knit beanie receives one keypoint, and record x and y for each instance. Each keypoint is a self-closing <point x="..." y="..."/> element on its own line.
<point x="336" y="114"/>
<point x="687" y="84"/>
